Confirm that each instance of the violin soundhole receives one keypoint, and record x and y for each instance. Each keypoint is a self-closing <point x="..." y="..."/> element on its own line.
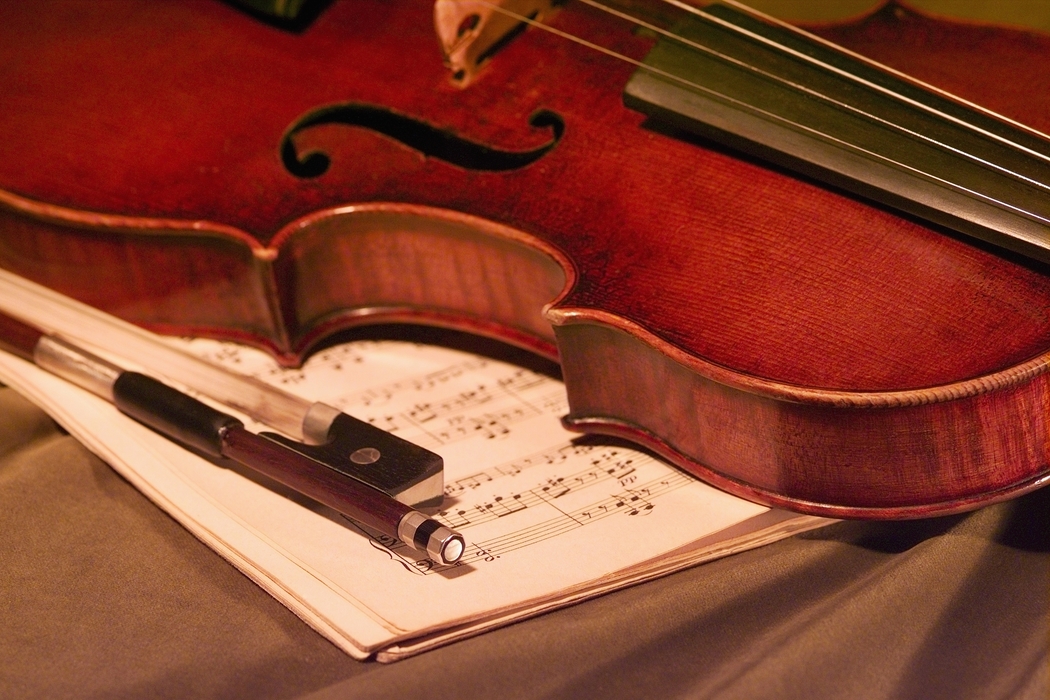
<point x="414" y="133"/>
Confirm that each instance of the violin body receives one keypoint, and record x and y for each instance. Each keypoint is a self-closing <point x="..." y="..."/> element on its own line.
<point x="783" y="341"/>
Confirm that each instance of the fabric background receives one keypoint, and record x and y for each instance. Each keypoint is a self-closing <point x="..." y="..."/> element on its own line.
<point x="103" y="595"/>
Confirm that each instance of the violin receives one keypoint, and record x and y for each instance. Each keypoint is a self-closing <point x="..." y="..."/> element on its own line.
<point x="194" y="170"/>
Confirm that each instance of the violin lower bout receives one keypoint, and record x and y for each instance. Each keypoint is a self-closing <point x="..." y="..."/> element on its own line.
<point x="888" y="455"/>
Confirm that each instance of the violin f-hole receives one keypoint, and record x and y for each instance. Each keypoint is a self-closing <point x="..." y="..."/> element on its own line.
<point x="417" y="134"/>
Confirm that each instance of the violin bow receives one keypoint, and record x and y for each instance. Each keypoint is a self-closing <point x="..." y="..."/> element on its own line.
<point x="352" y="468"/>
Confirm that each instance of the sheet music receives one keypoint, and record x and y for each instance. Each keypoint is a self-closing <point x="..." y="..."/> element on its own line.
<point x="527" y="499"/>
<point x="547" y="516"/>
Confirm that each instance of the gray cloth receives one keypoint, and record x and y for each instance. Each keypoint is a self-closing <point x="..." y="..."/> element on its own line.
<point x="103" y="595"/>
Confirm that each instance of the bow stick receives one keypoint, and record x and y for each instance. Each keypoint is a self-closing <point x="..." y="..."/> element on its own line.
<point x="333" y="472"/>
<point x="409" y="473"/>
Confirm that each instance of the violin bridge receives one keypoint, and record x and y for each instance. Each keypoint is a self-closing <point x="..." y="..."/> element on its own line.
<point x="471" y="32"/>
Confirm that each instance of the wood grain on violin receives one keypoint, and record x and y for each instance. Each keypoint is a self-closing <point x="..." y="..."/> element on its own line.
<point x="786" y="342"/>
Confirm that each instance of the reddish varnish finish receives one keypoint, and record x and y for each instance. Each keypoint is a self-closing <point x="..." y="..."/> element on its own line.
<point x="785" y="342"/>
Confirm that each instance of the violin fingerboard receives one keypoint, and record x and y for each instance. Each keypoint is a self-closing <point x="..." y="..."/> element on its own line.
<point x="804" y="104"/>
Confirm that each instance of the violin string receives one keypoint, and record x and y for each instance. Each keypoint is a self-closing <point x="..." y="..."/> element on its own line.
<point x="744" y="106"/>
<point x="844" y="106"/>
<point x="856" y="78"/>
<point x="896" y="73"/>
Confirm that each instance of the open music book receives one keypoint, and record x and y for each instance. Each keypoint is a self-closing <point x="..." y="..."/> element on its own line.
<point x="549" y="518"/>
